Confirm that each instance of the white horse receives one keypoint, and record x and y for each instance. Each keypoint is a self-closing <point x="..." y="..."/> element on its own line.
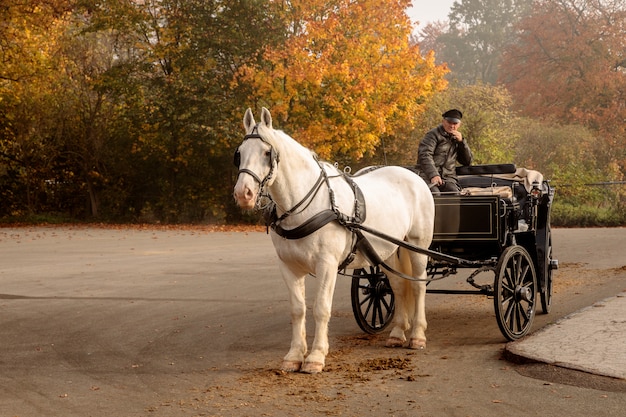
<point x="397" y="202"/>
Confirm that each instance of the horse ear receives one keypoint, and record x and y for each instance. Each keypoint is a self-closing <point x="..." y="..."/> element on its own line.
<point x="266" y="117"/>
<point x="248" y="120"/>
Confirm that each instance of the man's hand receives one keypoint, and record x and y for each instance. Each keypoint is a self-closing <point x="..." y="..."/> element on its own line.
<point x="457" y="135"/>
<point x="436" y="181"/>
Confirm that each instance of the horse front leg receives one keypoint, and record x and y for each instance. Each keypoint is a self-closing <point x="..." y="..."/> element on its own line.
<point x="292" y="362"/>
<point x="327" y="276"/>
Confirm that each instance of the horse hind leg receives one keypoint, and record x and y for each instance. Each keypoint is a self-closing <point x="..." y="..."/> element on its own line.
<point x="417" y="338"/>
<point x="410" y="301"/>
<point x="403" y="296"/>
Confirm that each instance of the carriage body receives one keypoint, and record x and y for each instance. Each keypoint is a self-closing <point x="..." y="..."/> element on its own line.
<point x="499" y="223"/>
<point x="481" y="227"/>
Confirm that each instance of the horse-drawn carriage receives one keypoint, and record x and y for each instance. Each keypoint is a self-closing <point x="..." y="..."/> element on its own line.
<point x="386" y="226"/>
<point x="500" y="223"/>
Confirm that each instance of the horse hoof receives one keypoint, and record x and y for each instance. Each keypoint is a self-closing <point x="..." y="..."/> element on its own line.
<point x="291" y="366"/>
<point x="417" y="344"/>
<point x="394" y="342"/>
<point x="312" y="367"/>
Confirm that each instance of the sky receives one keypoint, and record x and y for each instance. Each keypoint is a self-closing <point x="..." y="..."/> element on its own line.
<point x="426" y="11"/>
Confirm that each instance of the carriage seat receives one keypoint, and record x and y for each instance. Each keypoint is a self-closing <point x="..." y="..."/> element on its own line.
<point x="491" y="169"/>
<point x="498" y="179"/>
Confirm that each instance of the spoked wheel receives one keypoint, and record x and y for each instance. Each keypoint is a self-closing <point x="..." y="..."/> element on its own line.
<point x="373" y="301"/>
<point x="546" y="297"/>
<point x="515" y="292"/>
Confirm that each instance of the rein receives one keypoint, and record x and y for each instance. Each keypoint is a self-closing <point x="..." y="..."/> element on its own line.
<point x="353" y="223"/>
<point x="311" y="194"/>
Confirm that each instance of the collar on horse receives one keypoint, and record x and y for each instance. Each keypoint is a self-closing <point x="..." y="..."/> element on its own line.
<point x="324" y="217"/>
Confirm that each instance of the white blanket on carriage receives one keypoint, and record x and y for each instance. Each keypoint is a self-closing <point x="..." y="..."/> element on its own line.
<point x="521" y="175"/>
<point x="502" y="191"/>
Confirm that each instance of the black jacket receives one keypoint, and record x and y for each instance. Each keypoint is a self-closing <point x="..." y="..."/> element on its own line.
<point x="438" y="154"/>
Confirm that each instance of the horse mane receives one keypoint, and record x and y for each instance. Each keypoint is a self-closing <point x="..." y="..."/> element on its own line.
<point x="277" y="138"/>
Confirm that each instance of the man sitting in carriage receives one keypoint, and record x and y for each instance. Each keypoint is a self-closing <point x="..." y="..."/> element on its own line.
<point x="440" y="150"/>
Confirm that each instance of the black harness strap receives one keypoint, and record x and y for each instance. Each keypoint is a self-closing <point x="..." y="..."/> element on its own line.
<point x="311" y="194"/>
<point x="323" y="218"/>
<point x="316" y="222"/>
<point x="252" y="174"/>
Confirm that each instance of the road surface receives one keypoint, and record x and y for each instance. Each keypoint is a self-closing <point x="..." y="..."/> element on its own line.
<point x="128" y="322"/>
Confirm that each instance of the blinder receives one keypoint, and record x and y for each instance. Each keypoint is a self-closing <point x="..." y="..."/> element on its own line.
<point x="237" y="156"/>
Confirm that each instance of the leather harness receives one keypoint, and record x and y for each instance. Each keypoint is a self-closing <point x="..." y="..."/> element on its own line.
<point x="319" y="220"/>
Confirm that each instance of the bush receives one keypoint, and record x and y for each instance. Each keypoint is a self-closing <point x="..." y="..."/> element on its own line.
<point x="569" y="215"/>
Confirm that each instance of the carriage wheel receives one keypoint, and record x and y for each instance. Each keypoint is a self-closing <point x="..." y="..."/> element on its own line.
<point x="546" y="297"/>
<point x="373" y="301"/>
<point x="515" y="292"/>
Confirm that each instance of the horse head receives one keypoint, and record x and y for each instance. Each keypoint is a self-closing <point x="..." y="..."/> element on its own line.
<point x="256" y="158"/>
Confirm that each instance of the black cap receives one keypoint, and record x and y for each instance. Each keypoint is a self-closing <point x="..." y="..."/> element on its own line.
<point x="453" y="116"/>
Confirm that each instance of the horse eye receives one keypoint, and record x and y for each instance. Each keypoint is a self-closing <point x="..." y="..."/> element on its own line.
<point x="268" y="153"/>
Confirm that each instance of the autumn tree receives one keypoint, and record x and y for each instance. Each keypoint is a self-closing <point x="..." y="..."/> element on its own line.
<point x="28" y="154"/>
<point x="568" y="66"/>
<point x="56" y="149"/>
<point x="345" y="75"/>
<point x="24" y="27"/>
<point x="430" y="38"/>
<point x="124" y="109"/>
<point x="478" y="32"/>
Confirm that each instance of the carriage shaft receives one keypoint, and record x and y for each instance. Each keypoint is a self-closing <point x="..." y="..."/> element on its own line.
<point x="433" y="254"/>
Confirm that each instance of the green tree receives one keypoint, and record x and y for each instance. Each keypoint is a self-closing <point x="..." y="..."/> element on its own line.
<point x="569" y="157"/>
<point x="173" y="84"/>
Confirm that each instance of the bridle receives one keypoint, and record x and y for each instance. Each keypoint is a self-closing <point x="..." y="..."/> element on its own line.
<point x="274" y="159"/>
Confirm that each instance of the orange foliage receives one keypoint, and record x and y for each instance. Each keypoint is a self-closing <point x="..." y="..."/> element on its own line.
<point x="347" y="74"/>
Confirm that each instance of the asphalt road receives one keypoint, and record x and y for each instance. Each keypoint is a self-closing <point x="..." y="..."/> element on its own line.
<point x="188" y="322"/>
